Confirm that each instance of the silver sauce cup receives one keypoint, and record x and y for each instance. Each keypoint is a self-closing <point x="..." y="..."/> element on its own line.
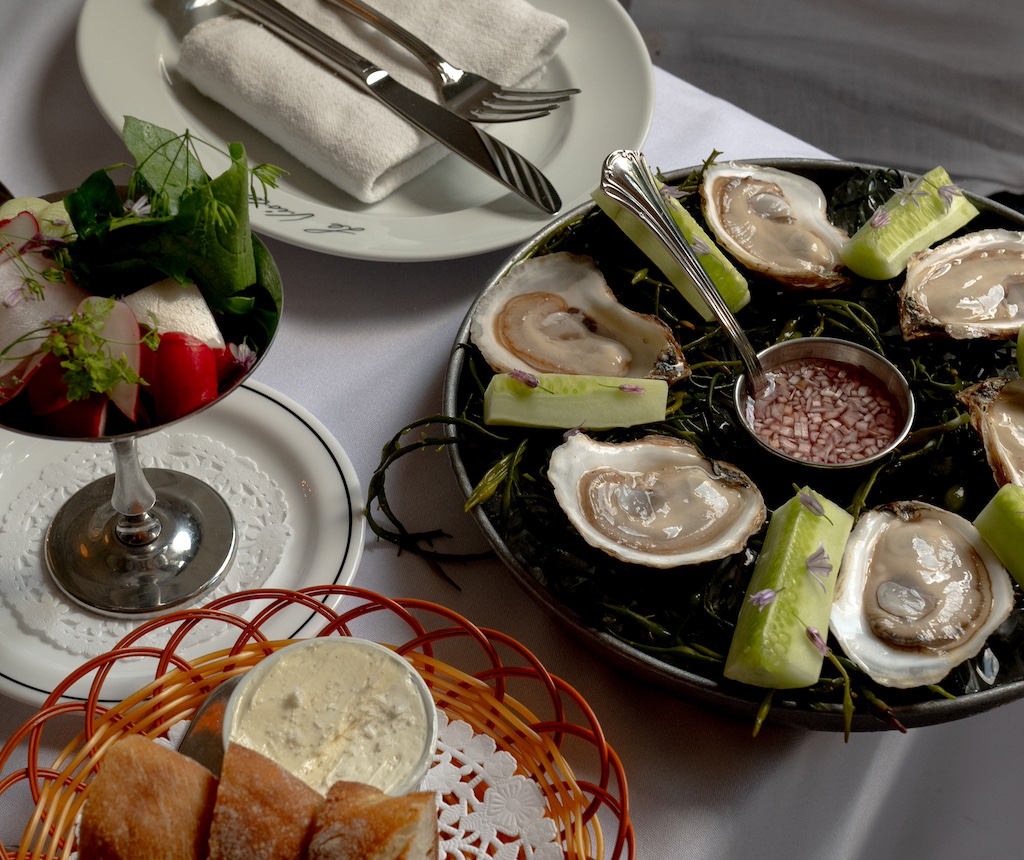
<point x="842" y="352"/>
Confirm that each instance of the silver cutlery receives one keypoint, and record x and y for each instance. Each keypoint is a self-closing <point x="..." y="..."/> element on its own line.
<point x="627" y="179"/>
<point x="476" y="146"/>
<point x="469" y="95"/>
<point x="203" y="740"/>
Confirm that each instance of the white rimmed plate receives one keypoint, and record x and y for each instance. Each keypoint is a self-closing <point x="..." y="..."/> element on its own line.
<point x="292" y="447"/>
<point x="128" y="53"/>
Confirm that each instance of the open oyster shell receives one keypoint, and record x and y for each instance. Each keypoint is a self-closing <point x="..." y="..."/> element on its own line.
<point x="996" y="407"/>
<point x="774" y="222"/>
<point x="919" y="591"/>
<point x="556" y="314"/>
<point x="656" y="501"/>
<point x="971" y="286"/>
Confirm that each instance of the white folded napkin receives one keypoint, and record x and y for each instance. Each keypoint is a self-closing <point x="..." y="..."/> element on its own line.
<point x="328" y="124"/>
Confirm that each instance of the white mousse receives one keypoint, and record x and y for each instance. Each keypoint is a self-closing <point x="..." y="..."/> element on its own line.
<point x="174" y="307"/>
<point x="337" y="708"/>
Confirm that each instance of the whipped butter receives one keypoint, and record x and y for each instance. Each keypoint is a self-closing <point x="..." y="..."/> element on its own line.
<point x="338" y="708"/>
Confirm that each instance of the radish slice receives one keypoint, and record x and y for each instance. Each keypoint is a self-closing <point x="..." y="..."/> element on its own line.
<point x="80" y="419"/>
<point x="16" y="233"/>
<point x="25" y="319"/>
<point x="121" y="329"/>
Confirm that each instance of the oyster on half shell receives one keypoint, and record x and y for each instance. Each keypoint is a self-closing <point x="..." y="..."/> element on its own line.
<point x="919" y="591"/>
<point x="556" y="314"/>
<point x="971" y="286"/>
<point x="774" y="222"/>
<point x="996" y="407"/>
<point x="656" y="501"/>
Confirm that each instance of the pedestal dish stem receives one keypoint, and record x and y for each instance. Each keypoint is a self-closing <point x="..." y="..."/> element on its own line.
<point x="133" y="497"/>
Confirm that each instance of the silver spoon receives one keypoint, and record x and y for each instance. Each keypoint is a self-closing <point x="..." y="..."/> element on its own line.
<point x="627" y="179"/>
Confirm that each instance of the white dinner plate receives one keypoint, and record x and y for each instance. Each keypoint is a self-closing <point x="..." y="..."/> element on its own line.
<point x="128" y="53"/>
<point x="290" y="446"/>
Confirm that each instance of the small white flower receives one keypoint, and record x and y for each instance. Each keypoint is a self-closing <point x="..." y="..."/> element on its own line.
<point x="138" y="208"/>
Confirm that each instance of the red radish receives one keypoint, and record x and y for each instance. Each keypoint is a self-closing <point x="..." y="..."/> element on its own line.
<point x="184" y="376"/>
<point x="14" y="381"/>
<point x="16" y="233"/>
<point x="45" y="389"/>
<point x="81" y="419"/>
<point x="229" y="369"/>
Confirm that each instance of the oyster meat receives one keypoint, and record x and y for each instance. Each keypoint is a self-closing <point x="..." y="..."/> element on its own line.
<point x="996" y="407"/>
<point x="656" y="501"/>
<point x="556" y="314"/>
<point x="919" y="591"/>
<point x="971" y="286"/>
<point x="774" y="222"/>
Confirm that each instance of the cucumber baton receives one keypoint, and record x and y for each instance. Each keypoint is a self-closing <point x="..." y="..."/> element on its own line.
<point x="790" y="592"/>
<point x="567" y="401"/>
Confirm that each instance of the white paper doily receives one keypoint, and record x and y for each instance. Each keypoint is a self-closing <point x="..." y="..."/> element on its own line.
<point x="257" y="503"/>
<point x="486" y="808"/>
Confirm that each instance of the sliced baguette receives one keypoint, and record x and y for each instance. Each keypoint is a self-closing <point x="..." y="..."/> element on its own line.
<point x="147" y="801"/>
<point x="360" y="822"/>
<point x="262" y="812"/>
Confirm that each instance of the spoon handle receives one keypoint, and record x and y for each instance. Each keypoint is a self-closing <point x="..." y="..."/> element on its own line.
<point x="627" y="179"/>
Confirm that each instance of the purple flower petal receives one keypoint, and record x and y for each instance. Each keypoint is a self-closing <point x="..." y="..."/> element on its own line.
<point x="948" y="192"/>
<point x="700" y="247"/>
<point x="527" y="379"/>
<point x="812" y="504"/>
<point x="763" y="598"/>
<point x="819" y="566"/>
<point x="244" y="354"/>
<point x="817" y="641"/>
<point x="880" y="218"/>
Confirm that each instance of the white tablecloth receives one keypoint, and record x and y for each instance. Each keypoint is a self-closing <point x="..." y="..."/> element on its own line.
<point x="700" y="785"/>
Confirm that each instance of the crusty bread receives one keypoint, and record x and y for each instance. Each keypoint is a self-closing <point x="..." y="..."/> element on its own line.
<point x="146" y="801"/>
<point x="359" y="822"/>
<point x="263" y="812"/>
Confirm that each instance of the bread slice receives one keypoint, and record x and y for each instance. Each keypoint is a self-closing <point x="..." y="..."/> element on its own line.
<point x="146" y="801"/>
<point x="360" y="822"/>
<point x="263" y="812"/>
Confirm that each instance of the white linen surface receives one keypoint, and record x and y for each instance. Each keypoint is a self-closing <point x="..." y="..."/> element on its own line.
<point x="345" y="134"/>
<point x="363" y="346"/>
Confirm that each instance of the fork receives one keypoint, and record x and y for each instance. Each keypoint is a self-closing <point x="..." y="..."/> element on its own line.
<point x="469" y="95"/>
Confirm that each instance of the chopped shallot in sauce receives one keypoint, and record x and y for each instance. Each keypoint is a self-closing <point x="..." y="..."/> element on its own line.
<point x="824" y="411"/>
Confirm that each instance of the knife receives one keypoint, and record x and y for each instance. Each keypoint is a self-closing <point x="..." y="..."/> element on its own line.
<point x="203" y="741"/>
<point x="462" y="137"/>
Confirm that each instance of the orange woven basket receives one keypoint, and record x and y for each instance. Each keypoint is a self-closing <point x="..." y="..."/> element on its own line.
<point x="501" y="690"/>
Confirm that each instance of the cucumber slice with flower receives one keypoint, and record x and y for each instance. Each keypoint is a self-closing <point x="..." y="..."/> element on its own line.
<point x="914" y="218"/>
<point x="567" y="401"/>
<point x="789" y="598"/>
<point x="731" y="284"/>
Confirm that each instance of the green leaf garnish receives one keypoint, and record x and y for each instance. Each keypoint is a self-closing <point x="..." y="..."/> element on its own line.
<point x="197" y="228"/>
